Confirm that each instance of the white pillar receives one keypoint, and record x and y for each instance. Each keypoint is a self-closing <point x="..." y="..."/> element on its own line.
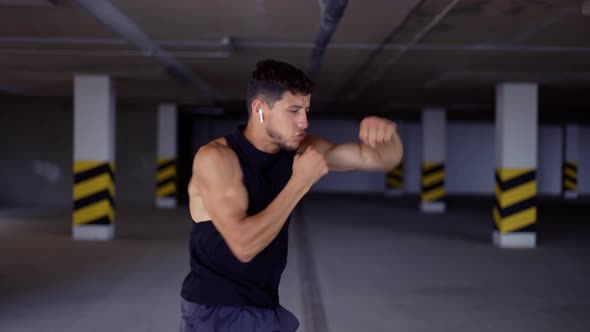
<point x="515" y="211"/>
<point x="570" y="164"/>
<point x="166" y="175"/>
<point x="94" y="158"/>
<point x="394" y="179"/>
<point x="433" y="160"/>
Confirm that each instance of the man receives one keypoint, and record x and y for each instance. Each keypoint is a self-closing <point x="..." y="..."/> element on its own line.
<point x="243" y="189"/>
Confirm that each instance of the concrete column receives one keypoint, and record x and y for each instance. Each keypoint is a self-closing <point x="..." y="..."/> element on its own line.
<point x="394" y="179"/>
<point x="515" y="211"/>
<point x="94" y="158"/>
<point x="433" y="160"/>
<point x="570" y="164"/>
<point x="166" y="178"/>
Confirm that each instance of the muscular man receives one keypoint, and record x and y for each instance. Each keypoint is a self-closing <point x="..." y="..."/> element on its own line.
<point x="243" y="189"/>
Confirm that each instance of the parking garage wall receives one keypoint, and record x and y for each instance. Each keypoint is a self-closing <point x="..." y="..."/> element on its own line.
<point x="37" y="154"/>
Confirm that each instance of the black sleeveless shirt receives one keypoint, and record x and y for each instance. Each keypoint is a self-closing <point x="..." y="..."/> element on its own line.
<point x="217" y="278"/>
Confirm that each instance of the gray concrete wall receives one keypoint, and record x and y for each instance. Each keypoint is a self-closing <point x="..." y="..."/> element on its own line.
<point x="549" y="160"/>
<point x="37" y="153"/>
<point x="136" y="159"/>
<point x="412" y="160"/>
<point x="470" y="162"/>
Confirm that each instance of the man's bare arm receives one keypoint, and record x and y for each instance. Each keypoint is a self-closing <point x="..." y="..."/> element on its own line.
<point x="219" y="178"/>
<point x="380" y="148"/>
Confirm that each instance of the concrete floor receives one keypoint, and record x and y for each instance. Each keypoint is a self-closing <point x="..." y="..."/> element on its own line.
<point x="357" y="263"/>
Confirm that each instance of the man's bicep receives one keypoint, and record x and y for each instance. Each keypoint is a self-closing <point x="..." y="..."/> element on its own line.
<point x="340" y="157"/>
<point x="221" y="188"/>
<point x="344" y="157"/>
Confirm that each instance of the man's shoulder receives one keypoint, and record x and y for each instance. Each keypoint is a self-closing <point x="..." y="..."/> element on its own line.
<point x="217" y="153"/>
<point x="218" y="144"/>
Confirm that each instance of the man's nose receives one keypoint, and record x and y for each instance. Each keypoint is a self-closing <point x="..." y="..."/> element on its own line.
<point x="302" y="121"/>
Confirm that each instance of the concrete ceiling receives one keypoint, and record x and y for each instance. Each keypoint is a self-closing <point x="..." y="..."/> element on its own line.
<point x="384" y="56"/>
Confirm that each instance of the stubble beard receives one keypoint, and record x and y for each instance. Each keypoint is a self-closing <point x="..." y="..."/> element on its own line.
<point x="280" y="140"/>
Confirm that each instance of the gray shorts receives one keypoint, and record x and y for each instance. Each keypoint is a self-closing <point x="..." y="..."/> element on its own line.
<point x="203" y="318"/>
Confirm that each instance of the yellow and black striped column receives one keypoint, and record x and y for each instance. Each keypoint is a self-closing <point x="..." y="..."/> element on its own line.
<point x="94" y="193"/>
<point x="166" y="173"/>
<point x="514" y="213"/>
<point x="570" y="179"/>
<point x="515" y="207"/>
<point x="166" y="179"/>
<point x="432" y="183"/>
<point x="394" y="180"/>
<point x="433" y="186"/>
<point x="570" y="162"/>
<point x="94" y="154"/>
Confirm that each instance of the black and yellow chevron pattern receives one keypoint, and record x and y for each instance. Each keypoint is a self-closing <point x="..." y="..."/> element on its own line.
<point x="515" y="207"/>
<point x="570" y="176"/>
<point x="94" y="193"/>
<point x="166" y="178"/>
<point x="395" y="178"/>
<point x="433" y="182"/>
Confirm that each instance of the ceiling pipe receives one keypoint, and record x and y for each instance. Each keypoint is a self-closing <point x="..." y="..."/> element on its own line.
<point x="109" y="15"/>
<point x="243" y="44"/>
<point x="28" y="3"/>
<point x="221" y="43"/>
<point x="151" y="72"/>
<point x="498" y="76"/>
<point x="331" y="11"/>
<point x="109" y="53"/>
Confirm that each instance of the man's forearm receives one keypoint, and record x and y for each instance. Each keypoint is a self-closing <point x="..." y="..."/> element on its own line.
<point x="256" y="232"/>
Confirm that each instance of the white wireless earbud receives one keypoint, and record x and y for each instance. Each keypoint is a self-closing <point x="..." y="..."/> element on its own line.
<point x="260" y="114"/>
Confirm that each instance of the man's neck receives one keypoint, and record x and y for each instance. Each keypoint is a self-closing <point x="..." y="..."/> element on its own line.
<point x="256" y="135"/>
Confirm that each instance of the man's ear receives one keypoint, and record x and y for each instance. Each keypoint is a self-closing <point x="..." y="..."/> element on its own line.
<point x="256" y="105"/>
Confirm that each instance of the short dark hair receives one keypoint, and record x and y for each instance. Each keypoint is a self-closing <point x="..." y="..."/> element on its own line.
<point x="272" y="78"/>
